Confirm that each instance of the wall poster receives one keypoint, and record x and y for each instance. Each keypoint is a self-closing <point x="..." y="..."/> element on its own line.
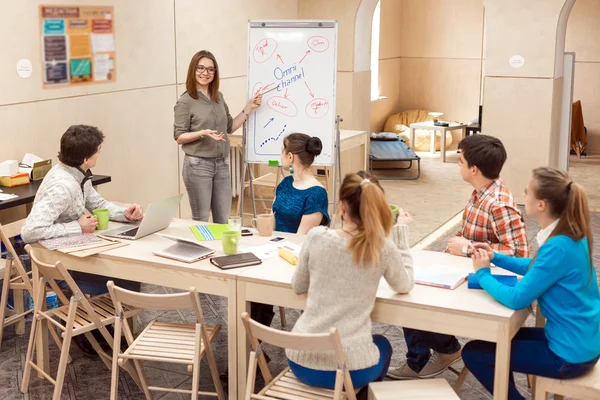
<point x="78" y="45"/>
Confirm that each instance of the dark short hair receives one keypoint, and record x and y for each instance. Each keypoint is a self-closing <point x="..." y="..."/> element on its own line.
<point x="78" y="143"/>
<point x="485" y="152"/>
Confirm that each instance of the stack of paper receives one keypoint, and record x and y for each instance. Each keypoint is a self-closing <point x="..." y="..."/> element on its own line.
<point x="441" y="276"/>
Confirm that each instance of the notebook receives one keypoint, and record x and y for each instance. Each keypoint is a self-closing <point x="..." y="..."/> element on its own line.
<point x="209" y="231"/>
<point x="235" y="261"/>
<point x="441" y="276"/>
<point x="508" y="280"/>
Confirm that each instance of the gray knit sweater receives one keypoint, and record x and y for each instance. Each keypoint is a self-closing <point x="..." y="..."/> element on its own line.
<point x="60" y="201"/>
<point x="342" y="294"/>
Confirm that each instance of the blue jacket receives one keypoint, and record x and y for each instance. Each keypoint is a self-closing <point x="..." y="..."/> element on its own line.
<point x="559" y="279"/>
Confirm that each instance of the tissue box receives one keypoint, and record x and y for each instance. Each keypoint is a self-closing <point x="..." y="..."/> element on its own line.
<point x="21" y="178"/>
<point x="9" y="167"/>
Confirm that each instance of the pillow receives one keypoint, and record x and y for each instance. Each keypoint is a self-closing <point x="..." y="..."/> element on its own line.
<point x="384" y="136"/>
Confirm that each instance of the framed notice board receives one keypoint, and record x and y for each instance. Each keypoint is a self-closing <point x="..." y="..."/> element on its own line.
<point x="78" y="45"/>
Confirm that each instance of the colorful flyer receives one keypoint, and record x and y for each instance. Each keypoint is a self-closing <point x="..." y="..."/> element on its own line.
<point x="78" y="44"/>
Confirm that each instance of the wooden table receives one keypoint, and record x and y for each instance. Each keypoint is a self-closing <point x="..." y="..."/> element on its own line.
<point x="434" y="128"/>
<point x="136" y="262"/>
<point x="463" y="312"/>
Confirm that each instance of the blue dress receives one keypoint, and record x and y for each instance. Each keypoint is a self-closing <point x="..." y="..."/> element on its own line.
<point x="292" y="204"/>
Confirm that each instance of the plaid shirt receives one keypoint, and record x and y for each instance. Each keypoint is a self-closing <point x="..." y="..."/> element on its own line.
<point x="492" y="216"/>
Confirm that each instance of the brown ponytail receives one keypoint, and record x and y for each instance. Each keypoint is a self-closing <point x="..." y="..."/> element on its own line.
<point x="369" y="209"/>
<point x="567" y="201"/>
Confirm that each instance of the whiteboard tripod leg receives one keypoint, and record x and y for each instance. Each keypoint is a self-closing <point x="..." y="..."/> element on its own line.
<point x="337" y="168"/>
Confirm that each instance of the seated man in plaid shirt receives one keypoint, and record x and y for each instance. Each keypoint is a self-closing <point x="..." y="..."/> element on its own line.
<point x="491" y="216"/>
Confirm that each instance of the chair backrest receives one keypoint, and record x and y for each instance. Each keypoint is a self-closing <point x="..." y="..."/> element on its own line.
<point x="308" y="342"/>
<point x="8" y="232"/>
<point x="50" y="274"/>
<point x="161" y="302"/>
<point x="480" y="116"/>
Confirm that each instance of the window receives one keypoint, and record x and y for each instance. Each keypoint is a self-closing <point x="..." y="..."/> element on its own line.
<point x="375" y="31"/>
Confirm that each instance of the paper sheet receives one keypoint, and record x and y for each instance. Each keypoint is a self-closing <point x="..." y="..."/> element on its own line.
<point x="7" y="196"/>
<point x="103" y="42"/>
<point x="102" y="67"/>
<point x="270" y="250"/>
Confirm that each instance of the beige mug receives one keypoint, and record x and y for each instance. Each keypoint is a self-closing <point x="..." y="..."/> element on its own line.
<point x="264" y="223"/>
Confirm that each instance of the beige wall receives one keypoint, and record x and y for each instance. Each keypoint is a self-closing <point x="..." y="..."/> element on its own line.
<point x="154" y="41"/>
<point x="430" y="58"/>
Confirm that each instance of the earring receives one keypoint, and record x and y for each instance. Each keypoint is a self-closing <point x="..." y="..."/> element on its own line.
<point x="291" y="169"/>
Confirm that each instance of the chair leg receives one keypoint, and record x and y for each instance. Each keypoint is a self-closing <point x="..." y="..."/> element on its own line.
<point x="4" y="297"/>
<point x="196" y="370"/>
<point x="19" y="309"/>
<point x="57" y="341"/>
<point x="461" y="379"/>
<point x="35" y="331"/>
<point x="282" y="315"/>
<point x="212" y="365"/>
<point x="114" y="377"/>
<point x="64" y="353"/>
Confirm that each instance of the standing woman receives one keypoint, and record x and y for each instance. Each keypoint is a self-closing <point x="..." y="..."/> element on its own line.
<point x="202" y="120"/>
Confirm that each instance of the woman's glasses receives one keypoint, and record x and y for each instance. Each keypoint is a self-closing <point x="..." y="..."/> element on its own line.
<point x="202" y="69"/>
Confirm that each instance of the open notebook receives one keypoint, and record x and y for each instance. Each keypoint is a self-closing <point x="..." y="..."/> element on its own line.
<point x="441" y="276"/>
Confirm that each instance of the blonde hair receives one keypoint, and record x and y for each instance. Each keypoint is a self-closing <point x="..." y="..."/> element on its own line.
<point x="567" y="201"/>
<point x="369" y="209"/>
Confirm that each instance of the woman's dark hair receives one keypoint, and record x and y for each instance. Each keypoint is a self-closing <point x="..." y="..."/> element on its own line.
<point x="304" y="146"/>
<point x="568" y="202"/>
<point x="368" y="208"/>
<point x="190" y="82"/>
<point x="78" y="143"/>
<point x="485" y="152"/>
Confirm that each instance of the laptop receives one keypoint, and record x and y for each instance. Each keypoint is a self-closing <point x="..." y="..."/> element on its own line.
<point x="184" y="249"/>
<point x="158" y="217"/>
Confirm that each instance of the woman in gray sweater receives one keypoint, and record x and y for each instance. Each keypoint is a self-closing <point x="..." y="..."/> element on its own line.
<point x="340" y="269"/>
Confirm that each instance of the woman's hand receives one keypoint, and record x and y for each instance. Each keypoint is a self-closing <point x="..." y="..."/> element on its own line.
<point x="253" y="104"/>
<point x="480" y="259"/>
<point x="134" y="212"/>
<point x="485" y="247"/>
<point x="214" y="135"/>
<point x="404" y="217"/>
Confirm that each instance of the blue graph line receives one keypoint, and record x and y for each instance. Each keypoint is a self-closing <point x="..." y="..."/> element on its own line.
<point x="274" y="138"/>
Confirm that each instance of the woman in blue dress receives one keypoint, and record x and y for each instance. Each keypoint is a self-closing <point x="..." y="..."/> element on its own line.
<point x="300" y="200"/>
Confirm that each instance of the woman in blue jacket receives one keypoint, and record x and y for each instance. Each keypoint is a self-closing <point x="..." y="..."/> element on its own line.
<point x="561" y="277"/>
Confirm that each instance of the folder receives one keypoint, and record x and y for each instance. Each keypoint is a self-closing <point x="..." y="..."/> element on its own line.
<point x="508" y="280"/>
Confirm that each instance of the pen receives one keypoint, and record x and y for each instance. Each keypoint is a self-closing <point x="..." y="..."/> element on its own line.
<point x="270" y="90"/>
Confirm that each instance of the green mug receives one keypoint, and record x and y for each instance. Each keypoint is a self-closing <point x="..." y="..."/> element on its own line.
<point x="101" y="215"/>
<point x="230" y="240"/>
<point x="395" y="212"/>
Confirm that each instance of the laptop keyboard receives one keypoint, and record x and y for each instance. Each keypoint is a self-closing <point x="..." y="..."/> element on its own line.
<point x="129" y="233"/>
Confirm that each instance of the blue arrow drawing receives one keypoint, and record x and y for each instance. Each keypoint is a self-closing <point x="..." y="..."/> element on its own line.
<point x="270" y="120"/>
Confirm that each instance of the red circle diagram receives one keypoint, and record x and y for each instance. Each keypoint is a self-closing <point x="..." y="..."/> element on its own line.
<point x="257" y="89"/>
<point x="317" y="108"/>
<point x="283" y="106"/>
<point x="264" y="50"/>
<point x="318" y="43"/>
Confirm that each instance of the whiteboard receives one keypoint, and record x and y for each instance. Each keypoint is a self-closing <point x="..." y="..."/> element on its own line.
<point x="293" y="63"/>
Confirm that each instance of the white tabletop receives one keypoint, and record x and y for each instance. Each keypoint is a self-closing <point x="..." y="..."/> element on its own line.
<point x="277" y="272"/>
<point x="140" y="250"/>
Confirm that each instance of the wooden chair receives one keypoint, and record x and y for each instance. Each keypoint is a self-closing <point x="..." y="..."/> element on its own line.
<point x="437" y="389"/>
<point x="582" y="388"/>
<point x="78" y="315"/>
<point x="285" y="385"/>
<point x="17" y="283"/>
<point x="164" y="342"/>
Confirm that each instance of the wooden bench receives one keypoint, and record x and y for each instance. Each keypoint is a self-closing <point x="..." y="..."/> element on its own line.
<point x="582" y="388"/>
<point x="430" y="389"/>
